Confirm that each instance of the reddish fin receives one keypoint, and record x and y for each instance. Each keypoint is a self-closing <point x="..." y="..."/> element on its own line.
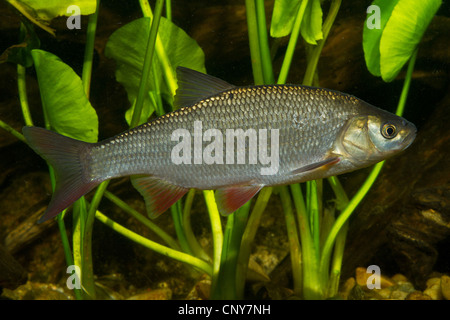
<point x="64" y="155"/>
<point x="159" y="195"/>
<point x="229" y="199"/>
<point x="317" y="165"/>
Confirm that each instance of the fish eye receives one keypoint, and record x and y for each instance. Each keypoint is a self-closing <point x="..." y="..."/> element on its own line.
<point x="388" y="131"/>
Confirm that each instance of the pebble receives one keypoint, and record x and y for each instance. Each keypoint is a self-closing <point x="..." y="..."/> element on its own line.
<point x="445" y="287"/>
<point x="434" y="288"/>
<point x="399" y="295"/>
<point x="156" y="294"/>
<point x="347" y="287"/>
<point x="417" y="295"/>
<point x="362" y="276"/>
<point x="397" y="287"/>
<point x="385" y="293"/>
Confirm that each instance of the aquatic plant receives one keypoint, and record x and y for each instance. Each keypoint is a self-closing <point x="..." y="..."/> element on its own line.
<point x="145" y="67"/>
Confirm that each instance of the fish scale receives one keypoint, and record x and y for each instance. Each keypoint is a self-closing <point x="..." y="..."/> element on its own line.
<point x="315" y="133"/>
<point x="251" y="108"/>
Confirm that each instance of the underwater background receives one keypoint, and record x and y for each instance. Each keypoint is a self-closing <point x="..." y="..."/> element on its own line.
<point x="402" y="225"/>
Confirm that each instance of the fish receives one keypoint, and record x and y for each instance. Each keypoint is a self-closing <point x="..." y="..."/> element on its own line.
<point x="231" y="139"/>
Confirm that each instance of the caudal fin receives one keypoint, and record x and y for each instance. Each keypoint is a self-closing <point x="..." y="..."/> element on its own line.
<point x="66" y="156"/>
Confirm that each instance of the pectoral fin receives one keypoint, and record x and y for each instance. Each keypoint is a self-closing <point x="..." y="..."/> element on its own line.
<point x="159" y="195"/>
<point x="321" y="164"/>
<point x="229" y="199"/>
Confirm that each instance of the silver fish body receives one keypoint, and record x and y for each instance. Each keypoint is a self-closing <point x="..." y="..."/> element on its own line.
<point x="237" y="140"/>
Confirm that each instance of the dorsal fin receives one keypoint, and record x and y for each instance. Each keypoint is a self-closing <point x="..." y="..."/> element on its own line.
<point x="194" y="86"/>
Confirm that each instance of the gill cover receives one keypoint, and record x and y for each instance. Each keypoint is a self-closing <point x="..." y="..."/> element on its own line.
<point x="373" y="138"/>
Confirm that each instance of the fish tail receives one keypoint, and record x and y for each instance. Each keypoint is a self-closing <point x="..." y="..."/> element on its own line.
<point x="67" y="157"/>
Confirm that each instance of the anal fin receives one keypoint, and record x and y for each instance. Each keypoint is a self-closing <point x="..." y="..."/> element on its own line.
<point x="229" y="199"/>
<point x="159" y="195"/>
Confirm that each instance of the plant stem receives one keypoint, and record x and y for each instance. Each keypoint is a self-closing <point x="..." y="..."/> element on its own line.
<point x="169" y="10"/>
<point x="336" y="264"/>
<point x="196" y="248"/>
<point x="82" y="252"/>
<point x="314" y="220"/>
<point x="175" y="209"/>
<point x="314" y="58"/>
<point x="142" y="219"/>
<point x="230" y="253"/>
<point x="216" y="229"/>
<point x="23" y="98"/>
<point x="340" y="221"/>
<point x="294" y="244"/>
<point x="166" y="251"/>
<point x="292" y="43"/>
<point x="248" y="237"/>
<point x="13" y="131"/>
<point x="67" y="250"/>
<point x="88" y="268"/>
<point x="339" y="192"/>
<point x="264" y="43"/>
<point x="406" y="84"/>
<point x="169" y="74"/>
<point x="253" y="38"/>
<point x="311" y="285"/>
<point x="147" y="65"/>
<point x="89" y="51"/>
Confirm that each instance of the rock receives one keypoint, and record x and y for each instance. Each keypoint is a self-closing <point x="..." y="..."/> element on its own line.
<point x="201" y="290"/>
<point x="357" y="293"/>
<point x="405" y="286"/>
<point x="362" y="276"/>
<point x="434" y="289"/>
<point x="12" y="274"/>
<point x="445" y="287"/>
<point x="402" y="290"/>
<point x="399" y="277"/>
<point x="398" y="295"/>
<point x="417" y="295"/>
<point x="347" y="287"/>
<point x="37" y="291"/>
<point x="385" y="293"/>
<point x="157" y="294"/>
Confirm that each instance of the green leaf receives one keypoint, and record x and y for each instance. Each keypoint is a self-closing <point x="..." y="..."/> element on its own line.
<point x="402" y="34"/>
<point x="372" y="34"/>
<point x="389" y="46"/>
<point x="41" y="12"/>
<point x="65" y="104"/>
<point x="127" y="47"/>
<point x="284" y="14"/>
<point x="311" y="28"/>
<point x="283" y="17"/>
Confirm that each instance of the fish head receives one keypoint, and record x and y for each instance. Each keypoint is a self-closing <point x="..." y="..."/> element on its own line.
<point x="367" y="139"/>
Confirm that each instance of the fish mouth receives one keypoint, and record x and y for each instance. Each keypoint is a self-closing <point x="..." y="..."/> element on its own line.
<point x="411" y="135"/>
